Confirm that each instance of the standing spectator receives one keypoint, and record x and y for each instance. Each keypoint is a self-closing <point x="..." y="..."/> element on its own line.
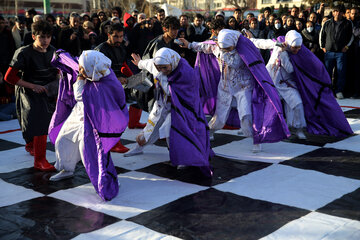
<point x="73" y="39"/>
<point x="89" y="30"/>
<point x="84" y="17"/>
<point x="135" y="14"/>
<point x="261" y="21"/>
<point x="249" y="16"/>
<point x="19" y="31"/>
<point x="303" y="15"/>
<point x="96" y="21"/>
<point x="220" y="15"/>
<point x="311" y="38"/>
<point x="353" y="57"/>
<point x="347" y="13"/>
<point x="231" y="23"/>
<point x="245" y="24"/>
<point x="238" y="17"/>
<point x="160" y="17"/>
<point x="102" y="16"/>
<point x="335" y="39"/>
<point x="34" y="106"/>
<point x="184" y="24"/>
<point x="141" y="35"/>
<point x="28" y="36"/>
<point x="197" y="31"/>
<point x="116" y="12"/>
<point x="299" y="25"/>
<point x="267" y="12"/>
<point x="29" y="15"/>
<point x="254" y="29"/>
<point x="276" y="30"/>
<point x="283" y="19"/>
<point x="7" y="105"/>
<point x="290" y="23"/>
<point x="294" y="12"/>
<point x="314" y="19"/>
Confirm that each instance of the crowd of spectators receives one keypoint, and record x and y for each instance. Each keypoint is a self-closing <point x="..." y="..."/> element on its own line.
<point x="334" y="39"/>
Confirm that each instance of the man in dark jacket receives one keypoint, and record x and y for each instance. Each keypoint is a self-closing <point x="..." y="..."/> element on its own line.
<point x="115" y="50"/>
<point x="73" y="39"/>
<point x="335" y="39"/>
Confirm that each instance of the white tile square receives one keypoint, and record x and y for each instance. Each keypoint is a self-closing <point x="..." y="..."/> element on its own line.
<point x="306" y="189"/>
<point x="17" y="158"/>
<point x="139" y="192"/>
<point x="9" y="125"/>
<point x="11" y="194"/>
<point x="354" y="124"/>
<point x="317" y="226"/>
<point x="152" y="155"/>
<point x="347" y="104"/>
<point x="125" y="230"/>
<point x="351" y="144"/>
<point x="271" y="152"/>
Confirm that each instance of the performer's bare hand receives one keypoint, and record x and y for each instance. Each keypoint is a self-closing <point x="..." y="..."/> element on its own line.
<point x="122" y="80"/>
<point x="136" y="58"/>
<point x="73" y="36"/>
<point x="324" y="49"/>
<point x="140" y="140"/>
<point x="185" y="43"/>
<point x="39" y="89"/>
<point x="247" y="33"/>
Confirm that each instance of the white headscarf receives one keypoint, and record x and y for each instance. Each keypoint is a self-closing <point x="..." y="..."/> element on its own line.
<point x="166" y="56"/>
<point x="95" y="63"/>
<point x="293" y="38"/>
<point x="228" y="38"/>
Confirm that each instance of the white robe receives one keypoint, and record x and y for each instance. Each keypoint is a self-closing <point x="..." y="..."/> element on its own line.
<point x="281" y="71"/>
<point x="69" y="145"/>
<point x="159" y="121"/>
<point x="236" y="85"/>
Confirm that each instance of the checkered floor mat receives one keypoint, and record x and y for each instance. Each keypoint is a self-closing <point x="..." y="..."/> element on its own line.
<point x="294" y="189"/>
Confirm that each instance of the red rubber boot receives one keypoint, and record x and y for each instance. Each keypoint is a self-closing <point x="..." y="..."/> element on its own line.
<point x="40" y="161"/>
<point x="134" y="118"/>
<point x="119" y="148"/>
<point x="29" y="147"/>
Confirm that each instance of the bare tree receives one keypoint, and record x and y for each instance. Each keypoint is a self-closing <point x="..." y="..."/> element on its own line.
<point x="243" y="4"/>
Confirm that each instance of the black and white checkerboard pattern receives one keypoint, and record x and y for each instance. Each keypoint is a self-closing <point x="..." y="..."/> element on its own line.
<point x="294" y="189"/>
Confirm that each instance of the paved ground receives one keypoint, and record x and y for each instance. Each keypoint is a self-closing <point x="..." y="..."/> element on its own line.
<point x="308" y="189"/>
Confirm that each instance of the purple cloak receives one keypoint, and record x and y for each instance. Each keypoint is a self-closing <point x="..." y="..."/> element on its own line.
<point x="209" y="71"/>
<point x="322" y="112"/>
<point x="268" y="121"/>
<point x="105" y="118"/>
<point x="189" y="136"/>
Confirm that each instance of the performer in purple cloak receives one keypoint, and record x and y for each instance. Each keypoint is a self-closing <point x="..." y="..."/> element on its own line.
<point x="244" y="79"/>
<point x="89" y="120"/>
<point x="177" y="114"/>
<point x="305" y="86"/>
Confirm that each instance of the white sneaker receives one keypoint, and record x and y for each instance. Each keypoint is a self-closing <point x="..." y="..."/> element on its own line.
<point x="135" y="151"/>
<point x="256" y="148"/>
<point x="300" y="134"/>
<point x="240" y="132"/>
<point x="339" y="95"/>
<point x="61" y="175"/>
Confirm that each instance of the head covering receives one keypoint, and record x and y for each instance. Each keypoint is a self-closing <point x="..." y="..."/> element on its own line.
<point x="167" y="56"/>
<point x="220" y="13"/>
<point x="293" y="38"/>
<point x="95" y="63"/>
<point x="20" y="19"/>
<point x="228" y="38"/>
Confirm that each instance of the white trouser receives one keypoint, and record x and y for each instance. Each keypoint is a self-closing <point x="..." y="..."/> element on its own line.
<point x="158" y="124"/>
<point x="223" y="107"/>
<point x="68" y="153"/>
<point x="295" y="117"/>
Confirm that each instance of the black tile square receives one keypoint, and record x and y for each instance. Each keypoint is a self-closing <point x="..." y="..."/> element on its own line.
<point x="223" y="170"/>
<point x="7" y="145"/>
<point x="315" y="140"/>
<point x="348" y="206"/>
<point x="39" y="181"/>
<point x="212" y="214"/>
<point x="221" y="139"/>
<point x="354" y="113"/>
<point x="50" y="146"/>
<point x="126" y="141"/>
<point x="49" y="218"/>
<point x="330" y="161"/>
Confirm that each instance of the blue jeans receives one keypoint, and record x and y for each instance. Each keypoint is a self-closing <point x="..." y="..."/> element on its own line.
<point x="7" y="111"/>
<point x="338" y="58"/>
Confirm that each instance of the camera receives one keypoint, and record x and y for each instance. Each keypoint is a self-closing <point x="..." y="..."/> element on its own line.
<point x="177" y="41"/>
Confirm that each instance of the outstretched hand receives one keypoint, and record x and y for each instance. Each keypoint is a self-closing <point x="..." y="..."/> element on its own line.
<point x="136" y="58"/>
<point x="185" y="43"/>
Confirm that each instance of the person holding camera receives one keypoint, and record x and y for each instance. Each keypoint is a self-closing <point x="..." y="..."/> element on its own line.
<point x="73" y="39"/>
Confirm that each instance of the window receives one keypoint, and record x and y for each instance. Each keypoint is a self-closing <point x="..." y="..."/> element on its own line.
<point x="266" y="1"/>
